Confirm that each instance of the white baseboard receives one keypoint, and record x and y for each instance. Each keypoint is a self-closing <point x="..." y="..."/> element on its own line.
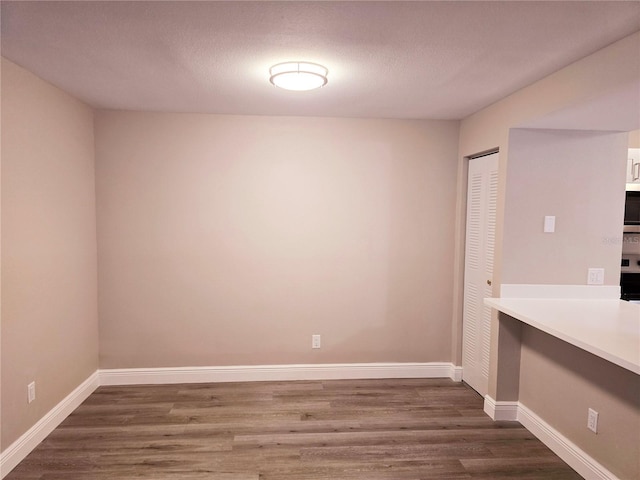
<point x="500" y="411"/>
<point x="579" y="460"/>
<point x="568" y="451"/>
<point x="456" y="373"/>
<point x="19" y="449"/>
<point x="253" y="373"/>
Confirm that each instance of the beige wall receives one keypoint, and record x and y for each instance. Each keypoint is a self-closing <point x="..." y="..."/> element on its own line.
<point x="579" y="381"/>
<point x="606" y="73"/>
<point x="230" y="240"/>
<point x="205" y="259"/>
<point x="599" y="76"/>
<point x="49" y="304"/>
<point x="1" y="132"/>
<point x="578" y="177"/>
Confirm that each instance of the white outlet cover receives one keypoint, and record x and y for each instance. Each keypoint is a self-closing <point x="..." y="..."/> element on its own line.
<point x="595" y="276"/>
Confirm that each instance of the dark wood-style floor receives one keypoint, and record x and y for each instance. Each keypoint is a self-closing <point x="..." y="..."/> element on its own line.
<point x="314" y="430"/>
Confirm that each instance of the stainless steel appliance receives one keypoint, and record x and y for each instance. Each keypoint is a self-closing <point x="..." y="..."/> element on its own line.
<point x="632" y="208"/>
<point x="630" y="267"/>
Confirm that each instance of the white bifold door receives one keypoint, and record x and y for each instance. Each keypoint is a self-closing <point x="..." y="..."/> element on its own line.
<point x="482" y="195"/>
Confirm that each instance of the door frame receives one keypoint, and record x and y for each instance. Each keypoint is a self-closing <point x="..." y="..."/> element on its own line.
<point x="459" y="255"/>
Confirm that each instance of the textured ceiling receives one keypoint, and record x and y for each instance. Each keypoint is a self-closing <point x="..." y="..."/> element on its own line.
<point x="441" y="60"/>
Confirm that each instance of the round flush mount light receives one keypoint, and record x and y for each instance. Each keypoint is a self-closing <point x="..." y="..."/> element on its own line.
<point x="298" y="76"/>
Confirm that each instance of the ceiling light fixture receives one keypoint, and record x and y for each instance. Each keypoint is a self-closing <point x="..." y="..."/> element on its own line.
<point x="298" y="76"/>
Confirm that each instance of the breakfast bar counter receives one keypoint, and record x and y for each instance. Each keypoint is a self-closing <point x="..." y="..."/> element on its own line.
<point x="607" y="328"/>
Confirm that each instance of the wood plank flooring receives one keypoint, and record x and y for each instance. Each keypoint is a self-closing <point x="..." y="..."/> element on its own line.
<point x="412" y="429"/>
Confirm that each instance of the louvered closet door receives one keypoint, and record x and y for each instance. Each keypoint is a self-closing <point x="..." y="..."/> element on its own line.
<point x="482" y="197"/>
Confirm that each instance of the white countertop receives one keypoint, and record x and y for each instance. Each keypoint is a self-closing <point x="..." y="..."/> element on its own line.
<point x="609" y="329"/>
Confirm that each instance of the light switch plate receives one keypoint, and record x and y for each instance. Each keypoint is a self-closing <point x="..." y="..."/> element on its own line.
<point x="592" y="420"/>
<point x="549" y="224"/>
<point x="31" y="392"/>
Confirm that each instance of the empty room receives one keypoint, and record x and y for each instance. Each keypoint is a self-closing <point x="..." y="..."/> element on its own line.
<point x="307" y="240"/>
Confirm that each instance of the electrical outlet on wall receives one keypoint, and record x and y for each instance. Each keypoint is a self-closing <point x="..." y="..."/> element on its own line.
<point x="595" y="276"/>
<point x="315" y="341"/>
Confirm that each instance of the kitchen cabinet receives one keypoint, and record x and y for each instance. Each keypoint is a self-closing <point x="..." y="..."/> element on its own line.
<point x="633" y="166"/>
